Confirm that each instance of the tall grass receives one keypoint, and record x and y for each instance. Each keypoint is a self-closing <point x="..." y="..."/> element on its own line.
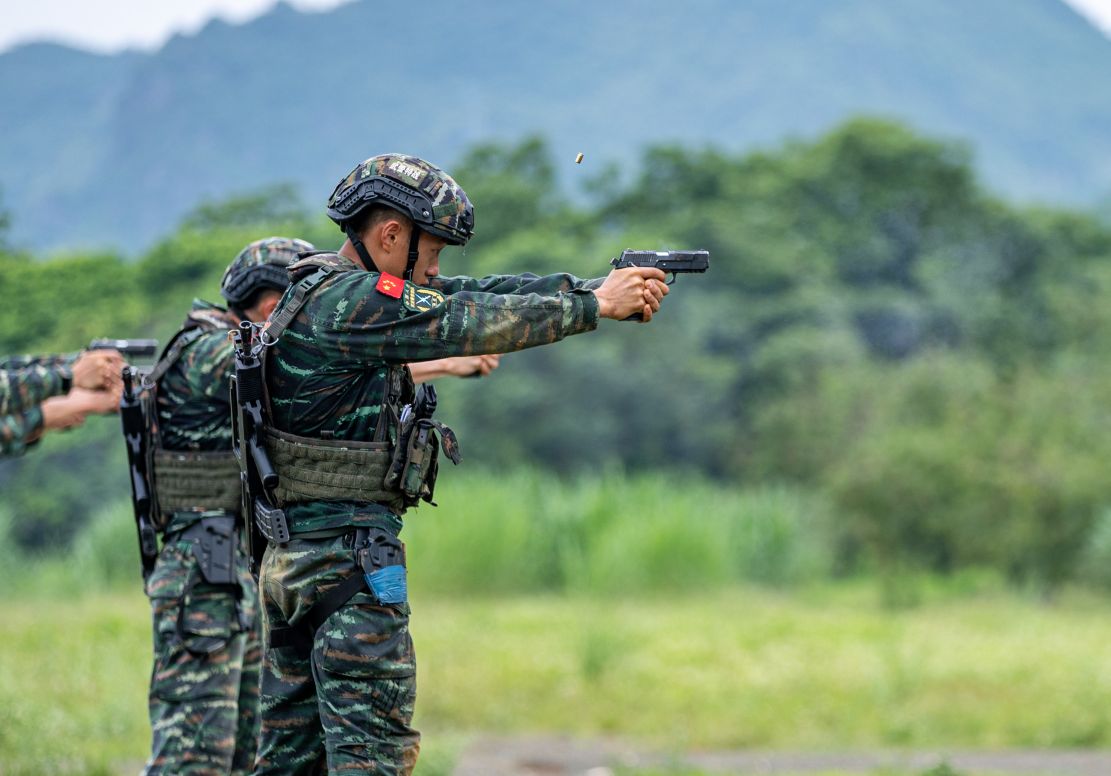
<point x="614" y="534"/>
<point x="527" y="532"/>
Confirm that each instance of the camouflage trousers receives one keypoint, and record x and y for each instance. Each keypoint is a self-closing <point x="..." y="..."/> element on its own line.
<point x="205" y="683"/>
<point x="347" y="707"/>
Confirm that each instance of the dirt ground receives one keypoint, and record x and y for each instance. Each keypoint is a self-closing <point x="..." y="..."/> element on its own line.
<point x="555" y="756"/>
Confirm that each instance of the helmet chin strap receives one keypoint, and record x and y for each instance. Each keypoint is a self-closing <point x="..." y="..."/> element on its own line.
<point x="414" y="240"/>
<point x="360" y="249"/>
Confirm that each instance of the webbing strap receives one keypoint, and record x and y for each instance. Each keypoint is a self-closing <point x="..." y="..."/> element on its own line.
<point x="300" y="635"/>
<point x="360" y="248"/>
<point x="173" y="353"/>
<point x="301" y="290"/>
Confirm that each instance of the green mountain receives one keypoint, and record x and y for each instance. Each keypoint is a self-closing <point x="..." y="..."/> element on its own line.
<point x="112" y="150"/>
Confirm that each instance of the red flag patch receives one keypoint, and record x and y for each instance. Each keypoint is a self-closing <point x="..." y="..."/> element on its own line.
<point x="390" y="285"/>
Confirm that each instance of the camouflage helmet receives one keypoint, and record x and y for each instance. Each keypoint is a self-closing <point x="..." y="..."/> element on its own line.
<point x="410" y="185"/>
<point x="262" y="264"/>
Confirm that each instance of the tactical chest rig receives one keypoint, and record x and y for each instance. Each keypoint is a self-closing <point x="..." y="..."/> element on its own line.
<point x="396" y="469"/>
<point x="167" y="481"/>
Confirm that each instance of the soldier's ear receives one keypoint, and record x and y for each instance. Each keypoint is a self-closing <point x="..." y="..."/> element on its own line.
<point x="390" y="231"/>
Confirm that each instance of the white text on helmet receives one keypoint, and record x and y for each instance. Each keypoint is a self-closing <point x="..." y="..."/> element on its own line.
<point x="408" y="170"/>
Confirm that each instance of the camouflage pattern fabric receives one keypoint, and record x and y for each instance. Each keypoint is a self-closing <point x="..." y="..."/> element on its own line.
<point x="27" y="381"/>
<point x="204" y="688"/>
<point x="451" y="216"/>
<point x="348" y="708"/>
<point x="326" y="374"/>
<point x="205" y="682"/>
<point x="52" y="360"/>
<point x="16" y="432"/>
<point x="193" y="404"/>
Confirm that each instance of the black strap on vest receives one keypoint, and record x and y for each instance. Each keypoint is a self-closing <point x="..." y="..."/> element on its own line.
<point x="183" y="340"/>
<point x="360" y="249"/>
<point x="301" y="290"/>
<point x="300" y="636"/>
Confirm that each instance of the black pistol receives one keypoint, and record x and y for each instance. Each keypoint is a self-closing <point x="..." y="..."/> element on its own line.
<point x="129" y="348"/>
<point x="672" y="262"/>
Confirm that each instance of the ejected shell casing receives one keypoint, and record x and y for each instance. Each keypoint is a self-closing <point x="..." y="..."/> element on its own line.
<point x="579" y="159"/>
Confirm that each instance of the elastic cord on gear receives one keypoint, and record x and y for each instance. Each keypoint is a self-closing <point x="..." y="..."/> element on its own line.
<point x="364" y="254"/>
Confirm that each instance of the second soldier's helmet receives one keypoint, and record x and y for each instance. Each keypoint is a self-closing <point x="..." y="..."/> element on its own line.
<point x="410" y="185"/>
<point x="262" y="264"/>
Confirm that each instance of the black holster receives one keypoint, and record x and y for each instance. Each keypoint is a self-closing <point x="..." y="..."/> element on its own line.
<point x="214" y="545"/>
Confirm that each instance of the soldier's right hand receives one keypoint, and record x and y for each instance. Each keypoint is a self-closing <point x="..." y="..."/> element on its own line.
<point x="630" y="291"/>
<point x="98" y="370"/>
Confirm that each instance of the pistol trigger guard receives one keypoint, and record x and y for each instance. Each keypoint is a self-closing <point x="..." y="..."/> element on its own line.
<point x="670" y="282"/>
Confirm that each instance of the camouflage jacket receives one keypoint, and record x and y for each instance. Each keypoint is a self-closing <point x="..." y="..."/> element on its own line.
<point x="326" y="373"/>
<point x="17" y="430"/>
<point x="194" y="412"/>
<point x="26" y="381"/>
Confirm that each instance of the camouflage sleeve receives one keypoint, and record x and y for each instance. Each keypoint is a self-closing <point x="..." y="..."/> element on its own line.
<point x="425" y="324"/>
<point x="527" y="283"/>
<point x="55" y="360"/>
<point x="18" y="431"/>
<point x="21" y="389"/>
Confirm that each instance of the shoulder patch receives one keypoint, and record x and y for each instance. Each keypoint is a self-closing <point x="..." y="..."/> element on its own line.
<point x="389" y="285"/>
<point x="420" y="299"/>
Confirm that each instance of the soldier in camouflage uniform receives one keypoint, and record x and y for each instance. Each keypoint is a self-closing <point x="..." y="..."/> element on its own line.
<point x="338" y="681"/>
<point x="204" y="687"/>
<point x="46" y="393"/>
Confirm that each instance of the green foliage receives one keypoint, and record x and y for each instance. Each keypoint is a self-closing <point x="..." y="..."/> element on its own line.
<point x="922" y="360"/>
<point x="276" y="204"/>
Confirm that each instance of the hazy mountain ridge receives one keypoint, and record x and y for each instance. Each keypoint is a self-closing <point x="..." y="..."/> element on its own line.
<point x="113" y="149"/>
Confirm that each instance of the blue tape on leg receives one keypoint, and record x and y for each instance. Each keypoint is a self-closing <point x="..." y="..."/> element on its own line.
<point x="389" y="584"/>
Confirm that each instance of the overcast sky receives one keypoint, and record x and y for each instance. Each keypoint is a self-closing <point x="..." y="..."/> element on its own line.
<point x="111" y="25"/>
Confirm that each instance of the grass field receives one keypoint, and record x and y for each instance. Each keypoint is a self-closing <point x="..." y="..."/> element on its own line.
<point x="822" y="668"/>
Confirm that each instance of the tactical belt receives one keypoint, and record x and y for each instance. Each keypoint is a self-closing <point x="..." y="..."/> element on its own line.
<point x="329" y="470"/>
<point x="187" y="480"/>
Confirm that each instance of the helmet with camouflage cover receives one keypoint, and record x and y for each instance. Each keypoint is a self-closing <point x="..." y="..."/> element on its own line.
<point x="262" y="264"/>
<point x="410" y="185"/>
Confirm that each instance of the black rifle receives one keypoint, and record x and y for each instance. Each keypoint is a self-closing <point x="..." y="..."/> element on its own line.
<point x="136" y="433"/>
<point x="129" y="348"/>
<point x="672" y="262"/>
<point x="265" y="522"/>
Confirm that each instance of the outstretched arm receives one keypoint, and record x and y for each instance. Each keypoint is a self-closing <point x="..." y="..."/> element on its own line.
<point x="462" y="366"/>
<point x="416" y="323"/>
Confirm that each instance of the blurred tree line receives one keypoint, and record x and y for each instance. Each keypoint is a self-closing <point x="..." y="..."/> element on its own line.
<point x="876" y="328"/>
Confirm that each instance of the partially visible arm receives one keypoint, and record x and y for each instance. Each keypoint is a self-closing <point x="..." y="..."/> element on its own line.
<point x="18" y="432"/>
<point x="22" y="362"/>
<point x="22" y="389"/>
<point x="462" y="366"/>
